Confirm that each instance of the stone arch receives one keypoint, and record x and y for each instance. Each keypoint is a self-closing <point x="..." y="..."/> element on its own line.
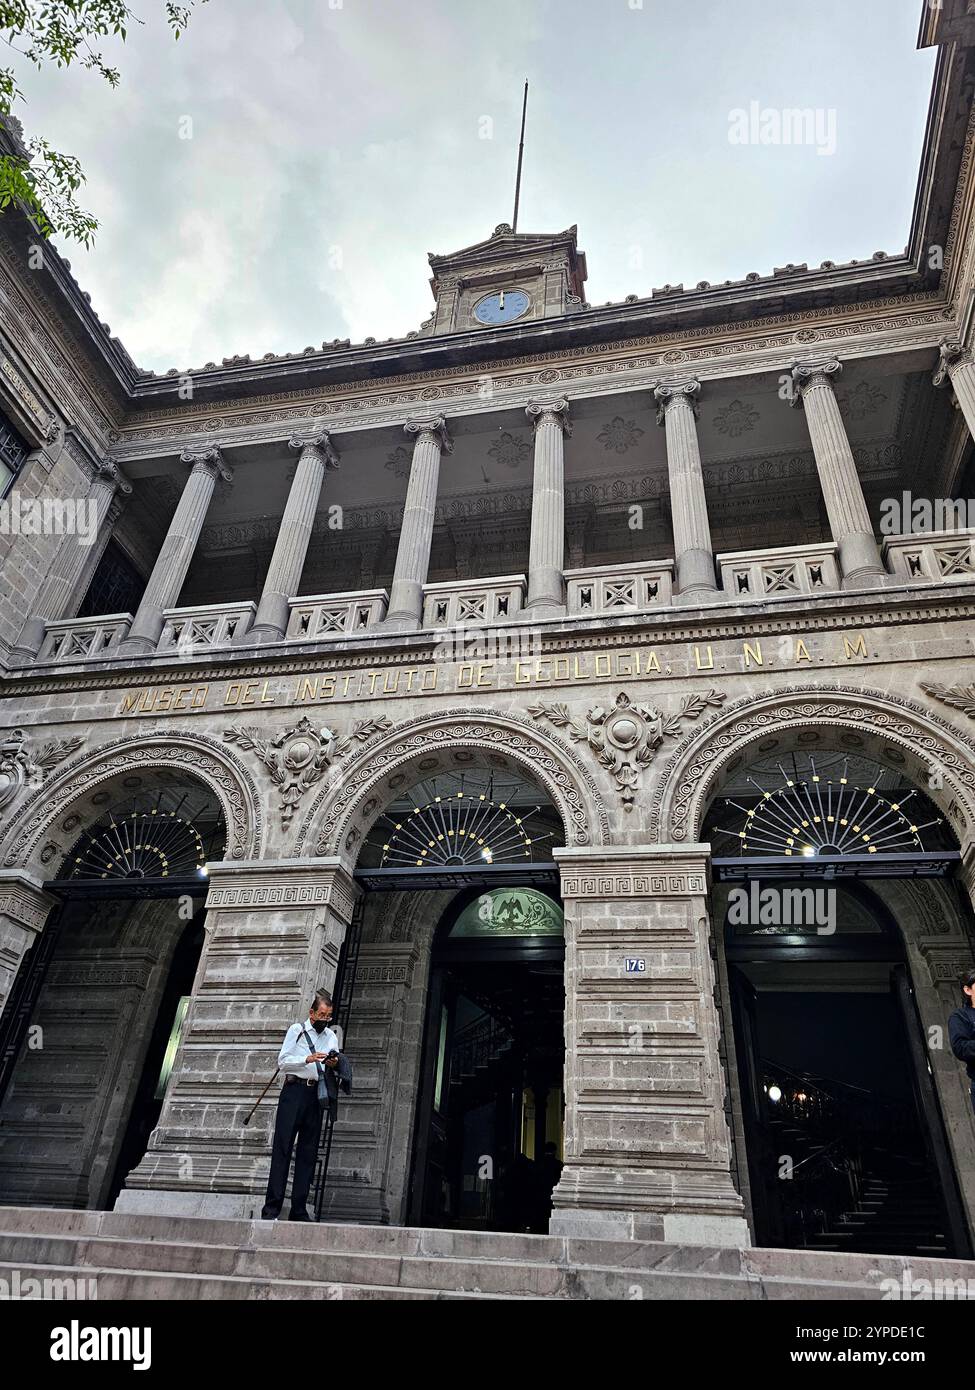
<point x="33" y="841"/>
<point x="693" y="773"/>
<point x="342" y="813"/>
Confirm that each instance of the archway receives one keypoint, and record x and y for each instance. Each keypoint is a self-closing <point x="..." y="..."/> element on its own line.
<point x="435" y="819"/>
<point x="93" y="1022"/>
<point x="838" y="1118"/>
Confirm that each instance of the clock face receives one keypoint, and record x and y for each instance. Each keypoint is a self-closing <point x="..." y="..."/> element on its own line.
<point x="503" y="306"/>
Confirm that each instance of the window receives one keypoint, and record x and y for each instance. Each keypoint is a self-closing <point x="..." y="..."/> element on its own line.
<point x="13" y="452"/>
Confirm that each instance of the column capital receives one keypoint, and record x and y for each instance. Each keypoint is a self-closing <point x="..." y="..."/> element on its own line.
<point x="320" y="441"/>
<point x="951" y="354"/>
<point x="208" y="460"/>
<point x="556" y="411"/>
<point x="668" y="393"/>
<point x="812" y="374"/>
<point x="433" y="425"/>
<point x="109" y="472"/>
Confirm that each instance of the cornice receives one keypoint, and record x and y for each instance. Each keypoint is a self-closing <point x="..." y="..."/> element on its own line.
<point x="519" y="379"/>
<point x="840" y="612"/>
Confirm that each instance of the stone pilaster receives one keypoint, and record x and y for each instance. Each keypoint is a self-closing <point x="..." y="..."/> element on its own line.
<point x="316" y="455"/>
<point x="431" y="440"/>
<point x="24" y="908"/>
<point x="71" y="560"/>
<point x="546" y="555"/>
<point x="693" y="552"/>
<point x="957" y="370"/>
<point x="273" y="934"/>
<point x="169" y="571"/>
<point x="849" y="519"/>
<point x="647" y="1149"/>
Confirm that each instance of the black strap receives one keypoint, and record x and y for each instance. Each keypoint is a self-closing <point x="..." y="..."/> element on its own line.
<point x="313" y="1048"/>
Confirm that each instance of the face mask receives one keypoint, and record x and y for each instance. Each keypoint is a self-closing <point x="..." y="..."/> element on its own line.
<point x="319" y="1024"/>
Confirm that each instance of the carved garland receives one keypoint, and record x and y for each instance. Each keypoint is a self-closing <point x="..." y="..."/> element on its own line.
<point x="908" y="725"/>
<point x="212" y="763"/>
<point x="540" y="757"/>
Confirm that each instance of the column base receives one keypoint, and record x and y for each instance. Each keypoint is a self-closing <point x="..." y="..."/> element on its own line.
<point x="544" y="608"/>
<point x="221" y="1206"/>
<point x="398" y="622"/>
<point x="700" y="594"/>
<point x="860" y="562"/>
<point x="263" y="636"/>
<point x="672" y="1229"/>
<point x="137" y="646"/>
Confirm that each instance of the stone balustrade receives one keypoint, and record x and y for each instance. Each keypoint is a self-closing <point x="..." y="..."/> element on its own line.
<point x="335" y="615"/>
<point x="207" y="625"/>
<point x="633" y="588"/>
<point x="81" y="639"/>
<point x="931" y="555"/>
<point x="465" y="601"/>
<point x="783" y="570"/>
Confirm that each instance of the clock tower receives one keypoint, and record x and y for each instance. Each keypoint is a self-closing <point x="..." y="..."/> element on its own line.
<point x="513" y="277"/>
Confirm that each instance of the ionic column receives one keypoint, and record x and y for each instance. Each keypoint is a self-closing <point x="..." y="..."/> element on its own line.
<point x="849" y="520"/>
<point x="416" y="535"/>
<point x="546" y="555"/>
<point x="957" y="369"/>
<point x="72" y="558"/>
<point x="169" y="571"/>
<point x="316" y="456"/>
<point x="693" y="552"/>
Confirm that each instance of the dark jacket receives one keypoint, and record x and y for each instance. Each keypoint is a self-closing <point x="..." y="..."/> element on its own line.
<point x="961" y="1035"/>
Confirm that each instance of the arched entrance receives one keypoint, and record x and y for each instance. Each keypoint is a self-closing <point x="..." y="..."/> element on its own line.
<point x="93" y="1023"/>
<point x="447" y="829"/>
<point x="489" y="1133"/>
<point x="840" y="1134"/>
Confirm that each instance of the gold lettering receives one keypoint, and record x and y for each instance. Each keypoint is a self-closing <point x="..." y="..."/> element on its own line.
<point x="373" y="676"/>
<point x="652" y="664"/>
<point x="179" y="696"/>
<point x="347" y="679"/>
<point x="328" y="688"/>
<point x="247" y="697"/>
<point x="603" y="667"/>
<point x="431" y="683"/>
<point x="128" y="703"/>
<point x="624" y="664"/>
<point x="162" y="701"/>
<point x="232" y="695"/>
<point x="802" y="651"/>
<point x="266" y="699"/>
<point x="700" y="664"/>
<point x="520" y="678"/>
<point x="465" y="675"/>
<point x="753" y="654"/>
<point x="859" y="650"/>
<point x="485" y="673"/>
<point x="200" y="696"/>
<point x="561" y="668"/>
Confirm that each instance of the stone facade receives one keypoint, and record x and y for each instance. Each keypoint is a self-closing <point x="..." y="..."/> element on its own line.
<point x="619" y="614"/>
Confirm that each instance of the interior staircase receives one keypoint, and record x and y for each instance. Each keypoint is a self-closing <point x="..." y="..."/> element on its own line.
<point x="145" y="1257"/>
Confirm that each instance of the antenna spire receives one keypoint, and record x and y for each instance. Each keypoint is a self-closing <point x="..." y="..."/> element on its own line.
<point x="521" y="151"/>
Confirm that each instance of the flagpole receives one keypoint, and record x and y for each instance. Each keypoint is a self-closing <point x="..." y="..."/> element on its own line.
<point x="521" y="151"/>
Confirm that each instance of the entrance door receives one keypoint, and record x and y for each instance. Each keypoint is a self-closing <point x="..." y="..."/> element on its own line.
<point x="489" y="1129"/>
<point x="845" y="1140"/>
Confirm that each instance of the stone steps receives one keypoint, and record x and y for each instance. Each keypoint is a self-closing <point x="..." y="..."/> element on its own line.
<point x="135" y="1256"/>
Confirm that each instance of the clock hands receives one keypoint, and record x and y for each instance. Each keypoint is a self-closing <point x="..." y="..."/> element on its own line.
<point x="501" y="301"/>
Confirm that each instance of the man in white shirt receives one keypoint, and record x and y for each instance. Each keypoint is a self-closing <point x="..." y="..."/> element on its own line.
<point x="303" y="1058"/>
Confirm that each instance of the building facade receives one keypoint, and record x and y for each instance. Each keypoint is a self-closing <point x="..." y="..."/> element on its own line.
<point x="507" y="653"/>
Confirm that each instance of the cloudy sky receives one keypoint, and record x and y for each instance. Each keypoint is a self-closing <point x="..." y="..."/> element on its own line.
<point x="333" y="143"/>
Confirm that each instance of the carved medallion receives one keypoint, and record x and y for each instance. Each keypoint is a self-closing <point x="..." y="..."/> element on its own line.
<point x="20" y="768"/>
<point x="625" y="737"/>
<point x="300" y="757"/>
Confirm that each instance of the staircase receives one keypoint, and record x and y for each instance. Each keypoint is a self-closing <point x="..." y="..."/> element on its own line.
<point x="896" y="1214"/>
<point x="130" y="1256"/>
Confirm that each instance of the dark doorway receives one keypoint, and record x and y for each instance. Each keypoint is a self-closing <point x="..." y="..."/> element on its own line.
<point x="161" y="1054"/>
<point x="488" y="1146"/>
<point x="844" y="1136"/>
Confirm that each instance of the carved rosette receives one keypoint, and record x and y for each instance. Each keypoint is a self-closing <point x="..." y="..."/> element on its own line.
<point x="21" y="768"/>
<point x="300" y="757"/>
<point x="625" y="737"/>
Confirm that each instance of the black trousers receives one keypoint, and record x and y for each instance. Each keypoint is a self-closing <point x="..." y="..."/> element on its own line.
<point x="299" y="1117"/>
